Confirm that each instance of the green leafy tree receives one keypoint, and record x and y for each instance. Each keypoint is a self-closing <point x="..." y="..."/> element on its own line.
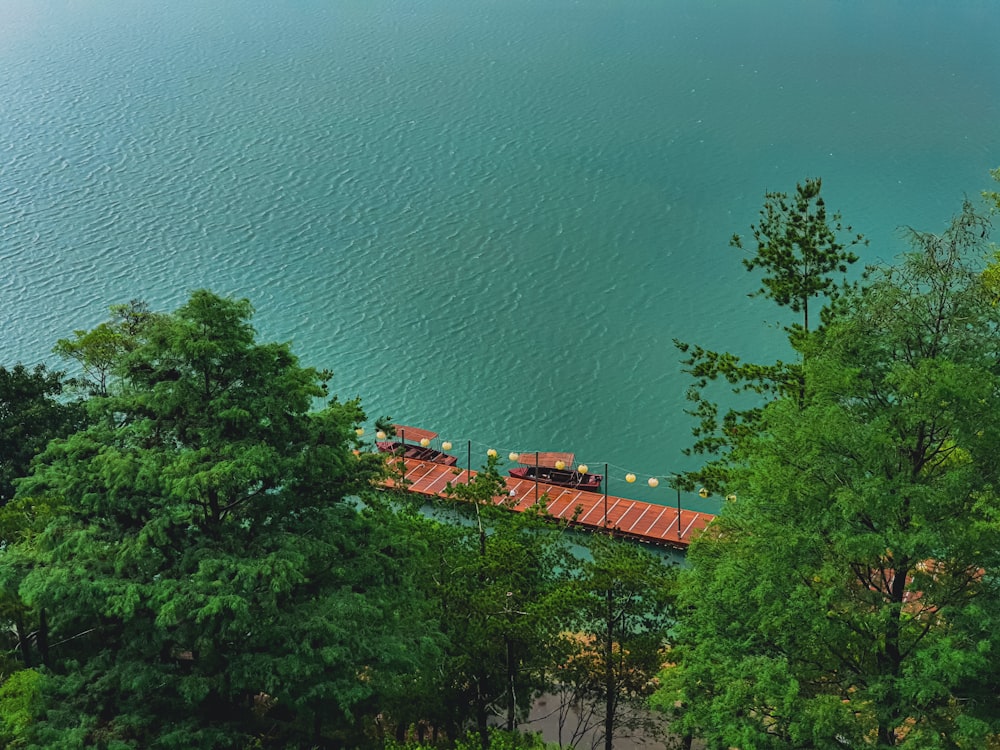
<point x="101" y="350"/>
<point x="803" y="261"/>
<point x="625" y="608"/>
<point x="992" y="196"/>
<point x="499" y="740"/>
<point x="211" y="583"/>
<point x="20" y="706"/>
<point x="26" y="629"/>
<point x="496" y="581"/>
<point x="991" y="274"/>
<point x="849" y="598"/>
<point x="32" y="412"/>
<point x="799" y="250"/>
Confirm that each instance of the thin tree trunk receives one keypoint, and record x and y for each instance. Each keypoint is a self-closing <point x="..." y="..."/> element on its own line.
<point x="22" y="641"/>
<point x="609" y="674"/>
<point x="511" y="693"/>
<point x="481" y="717"/>
<point x="891" y="716"/>
<point x="43" y="638"/>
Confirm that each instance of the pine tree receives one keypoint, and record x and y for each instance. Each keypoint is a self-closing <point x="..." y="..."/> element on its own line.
<point x="848" y="597"/>
<point x="211" y="581"/>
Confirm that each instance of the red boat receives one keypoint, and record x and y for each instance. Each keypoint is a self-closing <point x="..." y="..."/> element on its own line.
<point x="417" y="449"/>
<point x="557" y="469"/>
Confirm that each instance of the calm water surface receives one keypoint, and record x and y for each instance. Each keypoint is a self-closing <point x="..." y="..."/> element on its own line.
<point x="488" y="217"/>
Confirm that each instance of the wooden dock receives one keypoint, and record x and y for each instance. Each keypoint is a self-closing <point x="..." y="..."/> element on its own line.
<point x="660" y="525"/>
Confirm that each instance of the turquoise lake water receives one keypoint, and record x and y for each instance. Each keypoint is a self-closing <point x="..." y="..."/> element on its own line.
<point x="488" y="217"/>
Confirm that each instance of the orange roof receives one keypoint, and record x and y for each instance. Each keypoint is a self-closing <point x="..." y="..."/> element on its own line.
<point x="548" y="460"/>
<point x="416" y="434"/>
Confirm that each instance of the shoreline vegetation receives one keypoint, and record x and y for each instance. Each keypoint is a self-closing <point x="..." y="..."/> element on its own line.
<point x="194" y="552"/>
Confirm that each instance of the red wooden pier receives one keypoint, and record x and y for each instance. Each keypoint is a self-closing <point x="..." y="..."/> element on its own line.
<point x="640" y="521"/>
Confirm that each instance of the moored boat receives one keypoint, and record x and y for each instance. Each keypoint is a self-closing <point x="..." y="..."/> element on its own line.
<point x="418" y="449"/>
<point x="555" y="468"/>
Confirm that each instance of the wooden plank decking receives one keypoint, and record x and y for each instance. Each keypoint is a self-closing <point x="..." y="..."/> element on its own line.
<point x="632" y="519"/>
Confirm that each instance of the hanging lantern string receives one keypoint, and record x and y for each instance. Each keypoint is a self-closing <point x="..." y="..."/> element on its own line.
<point x="617" y="474"/>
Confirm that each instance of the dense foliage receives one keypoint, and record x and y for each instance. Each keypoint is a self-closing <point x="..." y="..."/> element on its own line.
<point x="207" y="561"/>
<point x="31" y="414"/>
<point x="204" y="560"/>
<point x="625" y="603"/>
<point x="848" y="598"/>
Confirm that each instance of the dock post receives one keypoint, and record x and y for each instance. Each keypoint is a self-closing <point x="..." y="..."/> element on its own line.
<point x="678" y="510"/>
<point x="536" y="477"/>
<point x="605" y="496"/>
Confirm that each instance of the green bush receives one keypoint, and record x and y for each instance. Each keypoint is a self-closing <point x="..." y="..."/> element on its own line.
<point x="499" y="740"/>
<point x="20" y="704"/>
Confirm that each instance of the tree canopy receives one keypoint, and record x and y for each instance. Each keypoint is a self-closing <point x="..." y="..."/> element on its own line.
<point x="799" y="249"/>
<point x="32" y="412"/>
<point x="205" y="561"/>
<point x="803" y="258"/>
<point x="848" y="598"/>
<point x="209" y="581"/>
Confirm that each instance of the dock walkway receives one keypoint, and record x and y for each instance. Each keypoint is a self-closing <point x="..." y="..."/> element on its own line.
<point x="640" y="521"/>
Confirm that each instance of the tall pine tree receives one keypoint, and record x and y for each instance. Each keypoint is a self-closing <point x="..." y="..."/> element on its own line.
<point x="848" y="597"/>
<point x="211" y="582"/>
